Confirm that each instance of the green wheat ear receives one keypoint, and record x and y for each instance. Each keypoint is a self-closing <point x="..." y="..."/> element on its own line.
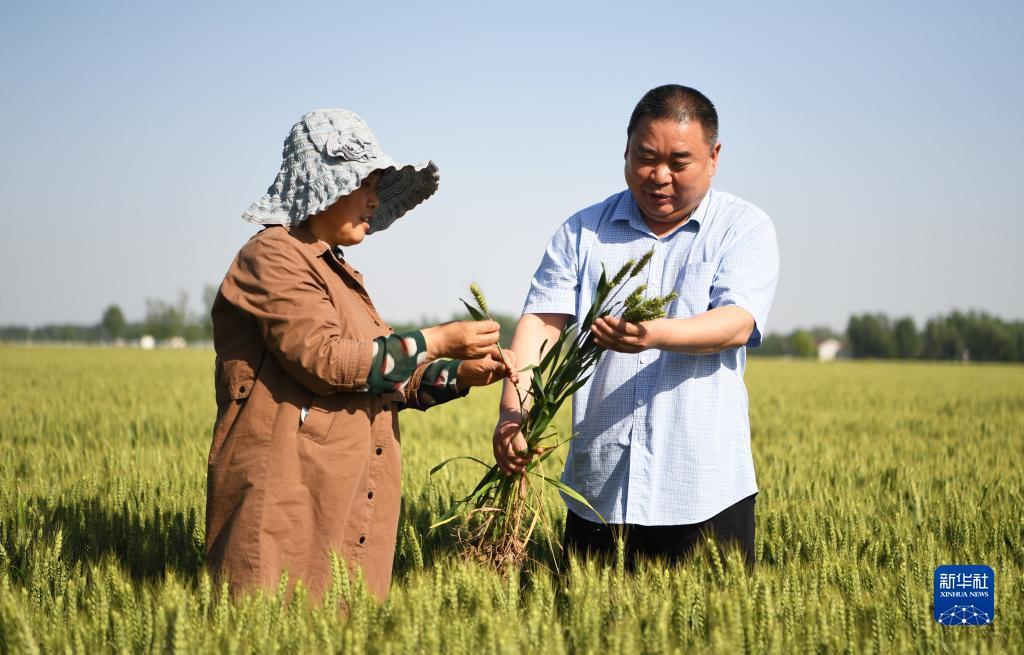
<point x="479" y="296"/>
<point x="621" y="275"/>
<point x="643" y="262"/>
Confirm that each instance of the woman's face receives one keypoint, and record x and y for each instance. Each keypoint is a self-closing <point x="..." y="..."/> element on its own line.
<point x="346" y="221"/>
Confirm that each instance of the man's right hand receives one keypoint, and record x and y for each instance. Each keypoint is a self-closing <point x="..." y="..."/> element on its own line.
<point x="532" y="332"/>
<point x="461" y="339"/>
<point x="508" y="441"/>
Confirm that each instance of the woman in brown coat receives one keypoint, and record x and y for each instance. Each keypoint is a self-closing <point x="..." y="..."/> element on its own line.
<point x="305" y="458"/>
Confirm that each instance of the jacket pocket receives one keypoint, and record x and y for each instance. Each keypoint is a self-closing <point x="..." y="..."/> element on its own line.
<point x="320" y="415"/>
<point x="237" y="377"/>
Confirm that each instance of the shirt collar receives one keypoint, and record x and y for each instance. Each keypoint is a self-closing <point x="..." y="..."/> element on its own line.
<point x="628" y="211"/>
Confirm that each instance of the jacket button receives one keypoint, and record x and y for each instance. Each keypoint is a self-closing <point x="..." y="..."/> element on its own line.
<point x="362" y="539"/>
<point x="380" y="450"/>
<point x="370" y="495"/>
<point x="241" y="389"/>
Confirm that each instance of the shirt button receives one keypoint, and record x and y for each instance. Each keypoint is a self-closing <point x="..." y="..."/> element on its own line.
<point x="639" y="402"/>
<point x="362" y="539"/>
<point x="241" y="389"/>
<point x="370" y="495"/>
<point x="380" y="450"/>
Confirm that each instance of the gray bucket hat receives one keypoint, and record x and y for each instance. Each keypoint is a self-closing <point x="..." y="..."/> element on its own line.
<point x="327" y="155"/>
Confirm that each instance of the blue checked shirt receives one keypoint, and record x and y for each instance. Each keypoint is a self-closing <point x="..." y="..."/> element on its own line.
<point x="662" y="438"/>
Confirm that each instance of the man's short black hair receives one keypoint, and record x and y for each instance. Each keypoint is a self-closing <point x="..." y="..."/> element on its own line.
<point x="680" y="103"/>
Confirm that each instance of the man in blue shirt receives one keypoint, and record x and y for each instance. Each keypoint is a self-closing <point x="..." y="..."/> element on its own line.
<point x="663" y="434"/>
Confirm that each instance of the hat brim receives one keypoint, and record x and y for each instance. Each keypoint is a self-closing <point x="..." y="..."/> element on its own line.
<point x="400" y="189"/>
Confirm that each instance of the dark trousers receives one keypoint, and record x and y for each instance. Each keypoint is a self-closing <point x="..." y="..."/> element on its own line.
<point x="732" y="526"/>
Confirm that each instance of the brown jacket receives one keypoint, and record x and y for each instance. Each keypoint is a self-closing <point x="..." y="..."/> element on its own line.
<point x="294" y="327"/>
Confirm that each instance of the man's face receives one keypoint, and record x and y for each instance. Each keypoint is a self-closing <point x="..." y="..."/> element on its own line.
<point x="669" y="167"/>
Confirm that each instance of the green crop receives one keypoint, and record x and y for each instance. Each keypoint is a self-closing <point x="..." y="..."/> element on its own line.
<point x="871" y="475"/>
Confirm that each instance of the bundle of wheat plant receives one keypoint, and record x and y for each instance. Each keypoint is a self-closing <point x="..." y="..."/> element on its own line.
<point x="503" y="511"/>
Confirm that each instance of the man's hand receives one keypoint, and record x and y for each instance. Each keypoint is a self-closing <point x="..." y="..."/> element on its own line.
<point x="487" y="370"/>
<point x="710" y="332"/>
<point x="507" y="442"/>
<point x="625" y="337"/>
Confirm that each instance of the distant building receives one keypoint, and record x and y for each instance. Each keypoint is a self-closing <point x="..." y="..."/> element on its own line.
<point x="147" y="342"/>
<point x="829" y="349"/>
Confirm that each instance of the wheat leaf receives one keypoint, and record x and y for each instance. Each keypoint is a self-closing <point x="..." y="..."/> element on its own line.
<point x="474" y="312"/>
<point x="570" y="492"/>
<point x="452" y="459"/>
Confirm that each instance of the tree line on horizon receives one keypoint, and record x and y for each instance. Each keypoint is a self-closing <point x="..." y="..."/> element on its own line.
<point x="974" y="335"/>
<point x="164" y="320"/>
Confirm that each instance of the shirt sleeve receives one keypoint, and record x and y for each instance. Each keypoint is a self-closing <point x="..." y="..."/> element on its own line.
<point x="747" y="275"/>
<point x="555" y="285"/>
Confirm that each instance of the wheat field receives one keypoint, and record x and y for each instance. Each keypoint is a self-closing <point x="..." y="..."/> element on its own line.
<point x="871" y="475"/>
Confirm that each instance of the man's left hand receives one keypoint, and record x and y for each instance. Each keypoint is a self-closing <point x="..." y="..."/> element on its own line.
<point x="624" y="337"/>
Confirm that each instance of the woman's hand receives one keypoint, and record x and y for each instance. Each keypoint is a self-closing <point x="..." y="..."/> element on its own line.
<point x="487" y="370"/>
<point x="461" y="339"/>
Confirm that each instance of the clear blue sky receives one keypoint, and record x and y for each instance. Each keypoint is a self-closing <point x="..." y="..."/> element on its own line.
<point x="884" y="139"/>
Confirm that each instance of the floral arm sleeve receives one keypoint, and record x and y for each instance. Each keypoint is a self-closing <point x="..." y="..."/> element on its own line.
<point x="397" y="356"/>
<point x="439" y="384"/>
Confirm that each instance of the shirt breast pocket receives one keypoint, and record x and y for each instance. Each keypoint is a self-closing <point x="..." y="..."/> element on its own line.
<point x="694" y="288"/>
